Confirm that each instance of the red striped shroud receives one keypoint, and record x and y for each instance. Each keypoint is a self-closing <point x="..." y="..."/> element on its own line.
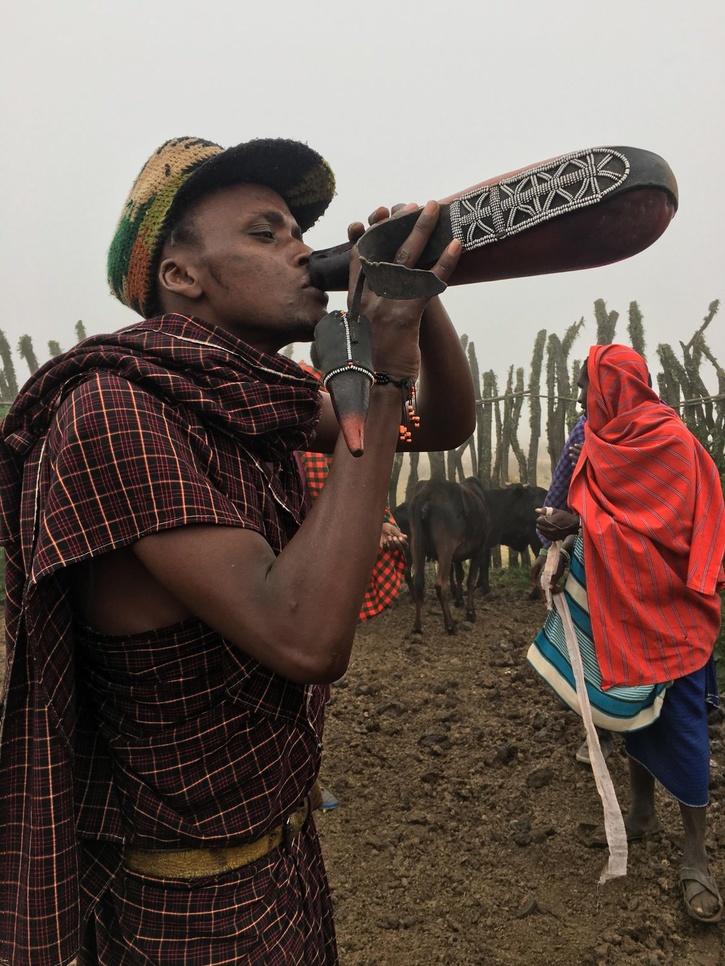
<point x="651" y="505"/>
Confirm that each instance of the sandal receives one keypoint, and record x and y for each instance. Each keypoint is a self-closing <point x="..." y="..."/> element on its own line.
<point x="690" y="874"/>
<point x="593" y="837"/>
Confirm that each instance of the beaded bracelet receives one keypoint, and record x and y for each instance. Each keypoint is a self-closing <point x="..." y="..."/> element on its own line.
<point x="348" y="367"/>
<point x="410" y="419"/>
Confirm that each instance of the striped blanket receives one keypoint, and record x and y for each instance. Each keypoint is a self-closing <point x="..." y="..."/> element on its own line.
<point x="618" y="708"/>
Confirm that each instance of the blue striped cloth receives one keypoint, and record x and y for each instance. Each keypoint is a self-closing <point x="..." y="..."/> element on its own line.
<point x="674" y="746"/>
<point x="617" y="709"/>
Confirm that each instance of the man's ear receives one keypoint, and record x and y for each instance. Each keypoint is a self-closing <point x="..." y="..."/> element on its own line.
<point x="179" y="279"/>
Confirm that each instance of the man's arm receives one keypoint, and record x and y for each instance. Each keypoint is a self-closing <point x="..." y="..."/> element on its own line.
<point x="296" y="613"/>
<point x="446" y="398"/>
<point x="558" y="494"/>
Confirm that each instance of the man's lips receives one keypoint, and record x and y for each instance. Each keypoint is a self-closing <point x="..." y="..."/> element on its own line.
<point x="322" y="296"/>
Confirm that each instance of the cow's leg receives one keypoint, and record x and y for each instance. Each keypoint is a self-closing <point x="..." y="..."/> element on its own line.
<point x="418" y="591"/>
<point x="408" y="575"/>
<point x="484" y="564"/>
<point x="443" y="574"/>
<point x="536" y="589"/>
<point x="457" y="583"/>
<point x="418" y="624"/>
<point x="471" y="588"/>
<point x="417" y="557"/>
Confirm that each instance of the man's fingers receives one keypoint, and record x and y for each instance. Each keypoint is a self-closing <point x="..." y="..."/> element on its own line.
<point x="412" y="248"/>
<point x="355" y="231"/>
<point x="446" y="264"/>
<point x="353" y="273"/>
<point x="574" y="453"/>
<point x="403" y="209"/>
<point x="380" y="214"/>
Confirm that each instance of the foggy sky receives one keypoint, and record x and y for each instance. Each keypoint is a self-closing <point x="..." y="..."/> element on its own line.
<point x="407" y="100"/>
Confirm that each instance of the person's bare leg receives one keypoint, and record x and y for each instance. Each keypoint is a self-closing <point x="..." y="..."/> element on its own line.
<point x="642" y="817"/>
<point x="694" y="855"/>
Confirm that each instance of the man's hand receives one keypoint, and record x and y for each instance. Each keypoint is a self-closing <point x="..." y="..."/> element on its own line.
<point x="396" y="322"/>
<point x="575" y="453"/>
<point x="445" y="398"/>
<point x="392" y="538"/>
<point x="557" y="525"/>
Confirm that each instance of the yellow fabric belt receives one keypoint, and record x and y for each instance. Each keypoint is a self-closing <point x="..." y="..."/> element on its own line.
<point x="194" y="863"/>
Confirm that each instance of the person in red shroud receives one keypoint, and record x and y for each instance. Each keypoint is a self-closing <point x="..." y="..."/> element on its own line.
<point x="648" y="499"/>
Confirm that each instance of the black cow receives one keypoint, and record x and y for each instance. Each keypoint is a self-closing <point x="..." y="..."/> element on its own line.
<point x="402" y="518"/>
<point x="449" y="522"/>
<point x="513" y="521"/>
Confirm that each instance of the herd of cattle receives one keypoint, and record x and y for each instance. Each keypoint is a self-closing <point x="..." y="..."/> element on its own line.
<point x="452" y="522"/>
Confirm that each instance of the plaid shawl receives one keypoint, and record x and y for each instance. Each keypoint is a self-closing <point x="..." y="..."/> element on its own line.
<point x="165" y="423"/>
<point x="651" y="505"/>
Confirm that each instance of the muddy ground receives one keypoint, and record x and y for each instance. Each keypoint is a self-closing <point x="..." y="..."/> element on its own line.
<point x="456" y="838"/>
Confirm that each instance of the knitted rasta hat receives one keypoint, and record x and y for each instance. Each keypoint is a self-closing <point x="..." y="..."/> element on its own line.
<point x="184" y="169"/>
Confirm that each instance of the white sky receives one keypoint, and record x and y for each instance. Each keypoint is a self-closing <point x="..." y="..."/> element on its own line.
<point x="407" y="100"/>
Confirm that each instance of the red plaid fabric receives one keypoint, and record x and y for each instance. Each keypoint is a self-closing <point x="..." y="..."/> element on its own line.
<point x="389" y="569"/>
<point x="175" y="738"/>
<point x="385" y="581"/>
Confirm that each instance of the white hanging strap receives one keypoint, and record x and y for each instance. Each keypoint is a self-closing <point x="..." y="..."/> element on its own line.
<point x="614" y="828"/>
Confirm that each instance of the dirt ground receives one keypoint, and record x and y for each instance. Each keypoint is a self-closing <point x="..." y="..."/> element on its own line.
<point x="456" y="838"/>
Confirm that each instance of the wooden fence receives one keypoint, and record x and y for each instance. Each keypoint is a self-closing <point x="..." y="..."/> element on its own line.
<point x="497" y="453"/>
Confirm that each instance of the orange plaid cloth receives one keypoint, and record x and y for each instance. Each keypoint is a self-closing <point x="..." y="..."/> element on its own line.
<point x="387" y="574"/>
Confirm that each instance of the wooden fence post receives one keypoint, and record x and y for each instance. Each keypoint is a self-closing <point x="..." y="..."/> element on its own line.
<point x="537" y="358"/>
<point x="9" y="376"/>
<point x="496" y="471"/>
<point x="606" y="323"/>
<point x="554" y="411"/>
<point x="25" y="348"/>
<point x="485" y="420"/>
<point x="508" y="404"/>
<point x="635" y="329"/>
<point x="518" y="403"/>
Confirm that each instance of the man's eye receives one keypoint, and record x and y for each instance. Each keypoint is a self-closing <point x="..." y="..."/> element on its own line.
<point x="264" y="233"/>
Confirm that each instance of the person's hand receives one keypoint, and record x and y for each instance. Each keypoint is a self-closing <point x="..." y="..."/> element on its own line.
<point x="557" y="525"/>
<point x="392" y="538"/>
<point x="574" y="453"/>
<point x="537" y="570"/>
<point x="557" y="580"/>
<point x="396" y="322"/>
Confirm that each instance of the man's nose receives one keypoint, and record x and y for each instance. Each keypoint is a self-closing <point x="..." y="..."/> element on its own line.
<point x="302" y="255"/>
